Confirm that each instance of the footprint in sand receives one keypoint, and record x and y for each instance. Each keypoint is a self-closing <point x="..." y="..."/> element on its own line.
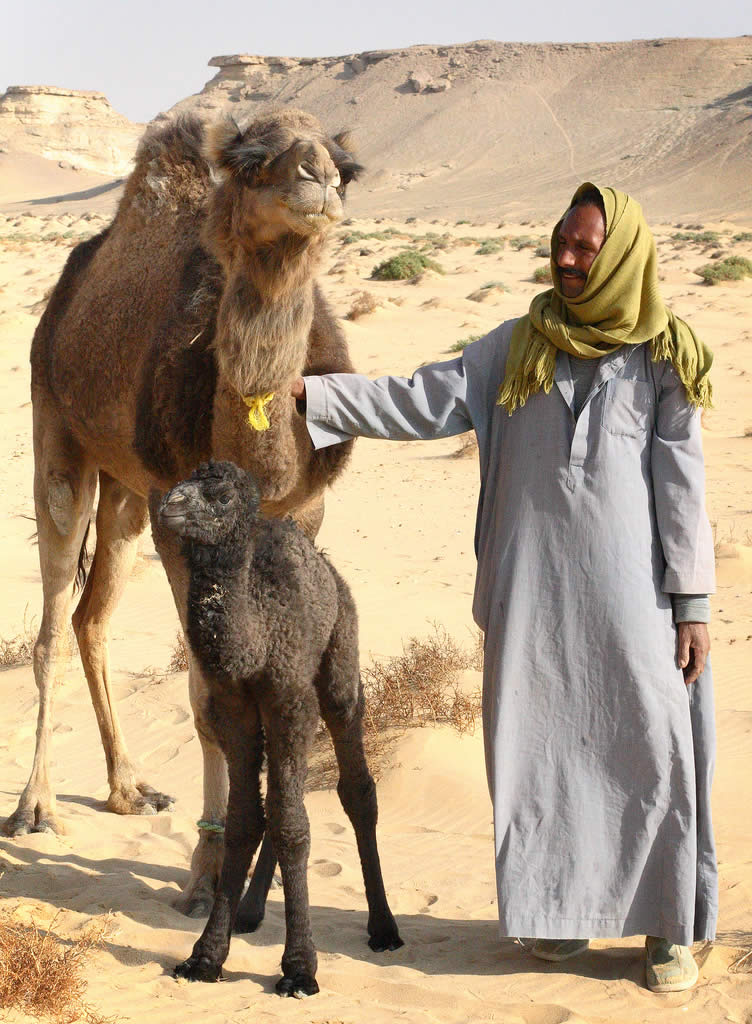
<point x="327" y="868"/>
<point x="335" y="828"/>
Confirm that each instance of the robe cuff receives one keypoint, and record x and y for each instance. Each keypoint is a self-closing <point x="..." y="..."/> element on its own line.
<point x="691" y="607"/>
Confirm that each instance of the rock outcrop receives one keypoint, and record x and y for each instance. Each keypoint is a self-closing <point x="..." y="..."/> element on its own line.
<point x="509" y="129"/>
<point x="70" y="126"/>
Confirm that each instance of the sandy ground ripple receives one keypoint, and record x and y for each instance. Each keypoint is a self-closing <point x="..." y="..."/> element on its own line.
<point x="399" y="525"/>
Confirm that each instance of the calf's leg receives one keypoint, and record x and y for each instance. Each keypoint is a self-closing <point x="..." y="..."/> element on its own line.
<point x="340" y="694"/>
<point x="238" y="730"/>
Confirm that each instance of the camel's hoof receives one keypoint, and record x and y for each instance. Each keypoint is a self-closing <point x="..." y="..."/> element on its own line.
<point x="198" y="968"/>
<point x="298" y="986"/>
<point x="159" y="801"/>
<point x="385" y="940"/>
<point x="143" y="800"/>
<point x="197" y="904"/>
<point x="21" y="823"/>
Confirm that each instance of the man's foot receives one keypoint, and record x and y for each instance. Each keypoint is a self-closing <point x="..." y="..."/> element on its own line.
<point x="668" y="967"/>
<point x="557" y="950"/>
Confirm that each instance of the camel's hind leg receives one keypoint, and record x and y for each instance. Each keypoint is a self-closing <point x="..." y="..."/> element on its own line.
<point x="121" y="519"/>
<point x="253" y="905"/>
<point x="64" y="487"/>
<point x="340" y="694"/>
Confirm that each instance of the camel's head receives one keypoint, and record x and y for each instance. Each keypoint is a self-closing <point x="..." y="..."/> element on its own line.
<point x="281" y="174"/>
<point x="215" y="506"/>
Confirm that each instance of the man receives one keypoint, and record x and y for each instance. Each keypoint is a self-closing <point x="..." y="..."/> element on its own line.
<point x="595" y="559"/>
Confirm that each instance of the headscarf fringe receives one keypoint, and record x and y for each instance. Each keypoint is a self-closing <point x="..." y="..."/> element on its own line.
<point x="621" y="305"/>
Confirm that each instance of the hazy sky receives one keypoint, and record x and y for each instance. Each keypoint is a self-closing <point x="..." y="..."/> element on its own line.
<point x="145" y="55"/>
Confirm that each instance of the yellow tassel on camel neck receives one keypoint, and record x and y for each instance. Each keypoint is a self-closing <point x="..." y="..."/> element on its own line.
<point x="257" y="417"/>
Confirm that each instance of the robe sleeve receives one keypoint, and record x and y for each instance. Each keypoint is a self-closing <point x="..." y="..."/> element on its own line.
<point x="430" y="404"/>
<point x="678" y="472"/>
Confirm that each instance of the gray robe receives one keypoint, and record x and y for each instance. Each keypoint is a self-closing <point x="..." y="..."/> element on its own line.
<point x="599" y="757"/>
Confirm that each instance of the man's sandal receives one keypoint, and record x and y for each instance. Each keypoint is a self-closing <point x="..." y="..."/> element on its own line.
<point x="557" y="950"/>
<point x="668" y="966"/>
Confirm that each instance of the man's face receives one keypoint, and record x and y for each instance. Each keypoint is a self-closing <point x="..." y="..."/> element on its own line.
<point x="581" y="237"/>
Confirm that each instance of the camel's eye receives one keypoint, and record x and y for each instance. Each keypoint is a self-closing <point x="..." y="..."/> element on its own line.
<point x="224" y="498"/>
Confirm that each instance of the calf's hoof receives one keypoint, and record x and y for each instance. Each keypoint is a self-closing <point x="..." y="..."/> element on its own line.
<point x="198" y="968"/>
<point x="385" y="939"/>
<point x="297" y="985"/>
<point x="246" y="923"/>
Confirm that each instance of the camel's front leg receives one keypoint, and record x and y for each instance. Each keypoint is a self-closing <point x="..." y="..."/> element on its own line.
<point x="121" y="519"/>
<point x="206" y="863"/>
<point x="64" y="487"/>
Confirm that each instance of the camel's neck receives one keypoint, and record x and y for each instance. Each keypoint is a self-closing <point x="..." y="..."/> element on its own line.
<point x="222" y="629"/>
<point x="265" y="315"/>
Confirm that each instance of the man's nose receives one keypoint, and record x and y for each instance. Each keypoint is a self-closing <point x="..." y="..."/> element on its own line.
<point x="564" y="257"/>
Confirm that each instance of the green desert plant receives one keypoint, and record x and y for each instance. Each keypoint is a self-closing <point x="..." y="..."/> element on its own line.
<point x="542" y="275"/>
<point x="405" y="265"/>
<point x="489" y="246"/>
<point x="523" y="242"/>
<point x="733" y="268"/>
<point x="700" y="237"/>
<point x="463" y="342"/>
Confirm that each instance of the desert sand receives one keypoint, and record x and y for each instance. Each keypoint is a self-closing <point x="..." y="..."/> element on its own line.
<point x="399" y="525"/>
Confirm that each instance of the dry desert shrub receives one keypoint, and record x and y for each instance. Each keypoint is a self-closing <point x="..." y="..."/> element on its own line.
<point x="363" y="304"/>
<point x="179" y="660"/>
<point x="417" y="688"/>
<point x="40" y="975"/>
<point x="467" y="448"/>
<point x="421" y="686"/>
<point x="19" y="649"/>
<point x="742" y="964"/>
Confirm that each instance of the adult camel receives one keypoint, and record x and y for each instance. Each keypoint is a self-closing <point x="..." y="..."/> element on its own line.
<point x="170" y="338"/>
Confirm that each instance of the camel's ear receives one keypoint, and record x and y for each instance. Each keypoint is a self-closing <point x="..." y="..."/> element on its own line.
<point x="230" y="153"/>
<point x="341" y="150"/>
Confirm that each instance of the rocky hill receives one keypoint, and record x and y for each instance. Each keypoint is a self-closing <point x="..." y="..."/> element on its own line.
<point x="480" y="130"/>
<point x="504" y="129"/>
<point x="68" y="126"/>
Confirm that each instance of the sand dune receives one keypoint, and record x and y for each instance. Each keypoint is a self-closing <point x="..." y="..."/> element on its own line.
<point x="522" y="126"/>
<point x="399" y="525"/>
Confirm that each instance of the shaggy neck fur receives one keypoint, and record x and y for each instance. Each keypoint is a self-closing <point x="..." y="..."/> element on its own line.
<point x="267" y="306"/>
<point x="221" y="629"/>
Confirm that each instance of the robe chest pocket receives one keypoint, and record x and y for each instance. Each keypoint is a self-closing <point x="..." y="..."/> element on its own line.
<point x="628" y="407"/>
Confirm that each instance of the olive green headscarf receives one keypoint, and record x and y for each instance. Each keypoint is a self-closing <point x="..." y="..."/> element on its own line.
<point x="620" y="305"/>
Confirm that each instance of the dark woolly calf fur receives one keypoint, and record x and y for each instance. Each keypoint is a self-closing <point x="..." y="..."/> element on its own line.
<point x="274" y="629"/>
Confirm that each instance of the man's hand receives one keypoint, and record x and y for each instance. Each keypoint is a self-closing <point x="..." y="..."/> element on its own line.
<point x="297" y="389"/>
<point x="693" y="646"/>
